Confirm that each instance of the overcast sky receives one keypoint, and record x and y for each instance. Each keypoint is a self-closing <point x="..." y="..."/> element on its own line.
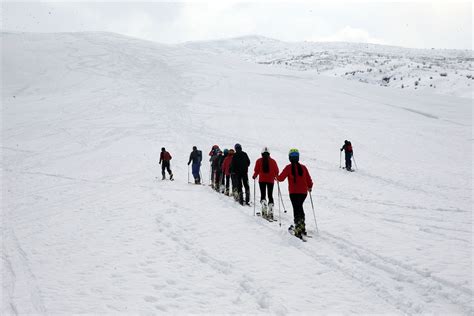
<point x="422" y="24"/>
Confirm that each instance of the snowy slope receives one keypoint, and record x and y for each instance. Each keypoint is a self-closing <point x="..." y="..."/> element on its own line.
<point x="88" y="228"/>
<point x="441" y="71"/>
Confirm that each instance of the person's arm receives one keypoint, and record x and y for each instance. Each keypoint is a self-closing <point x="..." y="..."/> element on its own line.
<point x="161" y="157"/>
<point x="283" y="175"/>
<point x="190" y="158"/>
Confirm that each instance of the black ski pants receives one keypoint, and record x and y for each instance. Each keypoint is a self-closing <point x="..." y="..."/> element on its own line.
<point x="218" y="178"/>
<point x="297" y="200"/>
<point x="227" y="182"/>
<point x="264" y="187"/>
<point x="348" y="160"/>
<point x="243" y="180"/>
<point x="165" y="165"/>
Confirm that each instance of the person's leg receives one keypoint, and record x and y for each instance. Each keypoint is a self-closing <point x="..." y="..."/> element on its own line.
<point x="195" y="169"/>
<point x="297" y="201"/>
<point x="262" y="186"/>
<point x="163" y="168"/>
<point x="168" y="168"/>
<point x="238" y="180"/>
<point x="270" y="192"/>
<point x="270" y="200"/>
<point x="245" y="180"/>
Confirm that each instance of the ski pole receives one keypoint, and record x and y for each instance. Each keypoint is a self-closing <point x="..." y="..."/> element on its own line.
<point x="253" y="197"/>
<point x="340" y="159"/>
<point x="314" y="214"/>
<point x="355" y="163"/>
<point x="281" y="197"/>
<point x="188" y="174"/>
<point x="279" y="208"/>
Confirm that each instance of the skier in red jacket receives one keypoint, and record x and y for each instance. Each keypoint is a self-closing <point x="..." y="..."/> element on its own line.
<point x="165" y="158"/>
<point x="299" y="183"/>
<point x="227" y="173"/>
<point x="266" y="169"/>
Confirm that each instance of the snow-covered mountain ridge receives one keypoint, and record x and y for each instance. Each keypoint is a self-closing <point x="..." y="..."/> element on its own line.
<point x="444" y="71"/>
<point x="89" y="227"/>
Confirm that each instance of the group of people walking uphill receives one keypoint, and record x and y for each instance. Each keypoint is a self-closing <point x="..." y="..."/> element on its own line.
<point x="229" y="175"/>
<point x="229" y="168"/>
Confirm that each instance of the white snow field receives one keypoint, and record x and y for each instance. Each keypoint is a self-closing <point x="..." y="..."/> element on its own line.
<point x="88" y="227"/>
<point x="442" y="71"/>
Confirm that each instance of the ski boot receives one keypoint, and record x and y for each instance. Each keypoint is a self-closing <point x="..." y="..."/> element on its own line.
<point x="263" y="205"/>
<point x="171" y="177"/>
<point x="270" y="212"/>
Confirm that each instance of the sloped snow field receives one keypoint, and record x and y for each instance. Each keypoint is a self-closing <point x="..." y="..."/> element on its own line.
<point x="88" y="227"/>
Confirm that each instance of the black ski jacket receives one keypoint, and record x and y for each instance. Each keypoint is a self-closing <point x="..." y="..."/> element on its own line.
<point x="195" y="157"/>
<point x="240" y="163"/>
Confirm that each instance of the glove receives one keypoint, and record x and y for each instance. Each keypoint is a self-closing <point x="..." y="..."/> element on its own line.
<point x="310" y="189"/>
<point x="254" y="177"/>
<point x="341" y="149"/>
<point x="188" y="163"/>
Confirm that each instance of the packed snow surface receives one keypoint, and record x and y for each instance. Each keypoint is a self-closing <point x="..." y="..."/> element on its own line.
<point x="88" y="226"/>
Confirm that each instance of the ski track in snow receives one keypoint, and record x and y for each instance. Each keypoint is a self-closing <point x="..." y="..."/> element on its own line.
<point x="88" y="228"/>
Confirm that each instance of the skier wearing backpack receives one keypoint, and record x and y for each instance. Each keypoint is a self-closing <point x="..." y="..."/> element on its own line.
<point x="165" y="158"/>
<point x="196" y="157"/>
<point x="240" y="166"/>
<point x="299" y="183"/>
<point x="347" y="147"/>
<point x="226" y="171"/>
<point x="266" y="169"/>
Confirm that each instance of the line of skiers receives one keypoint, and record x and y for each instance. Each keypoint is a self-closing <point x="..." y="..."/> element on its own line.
<point x="229" y="175"/>
<point x="230" y="168"/>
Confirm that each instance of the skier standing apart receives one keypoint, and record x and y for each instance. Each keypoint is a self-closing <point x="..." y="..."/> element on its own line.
<point x="299" y="183"/>
<point x="165" y="158"/>
<point x="266" y="169"/>
<point x="213" y="154"/>
<point x="240" y="166"/>
<point x="226" y="171"/>
<point x="196" y="157"/>
<point x="347" y="147"/>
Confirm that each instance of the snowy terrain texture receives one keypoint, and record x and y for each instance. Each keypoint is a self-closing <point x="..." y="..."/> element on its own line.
<point x="88" y="226"/>
<point x="441" y="71"/>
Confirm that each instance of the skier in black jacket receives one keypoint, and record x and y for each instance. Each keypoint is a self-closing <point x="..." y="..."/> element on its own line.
<point x="240" y="166"/>
<point x="217" y="166"/>
<point x="196" y="157"/>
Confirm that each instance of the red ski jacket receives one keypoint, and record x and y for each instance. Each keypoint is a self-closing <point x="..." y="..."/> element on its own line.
<point x="165" y="156"/>
<point x="303" y="183"/>
<point x="266" y="177"/>
<point x="226" y="164"/>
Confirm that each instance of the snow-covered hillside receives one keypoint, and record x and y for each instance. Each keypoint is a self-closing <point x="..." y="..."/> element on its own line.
<point x="448" y="72"/>
<point x="87" y="227"/>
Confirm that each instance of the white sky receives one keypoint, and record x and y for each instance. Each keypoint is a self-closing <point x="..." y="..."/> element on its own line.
<point x="421" y="24"/>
